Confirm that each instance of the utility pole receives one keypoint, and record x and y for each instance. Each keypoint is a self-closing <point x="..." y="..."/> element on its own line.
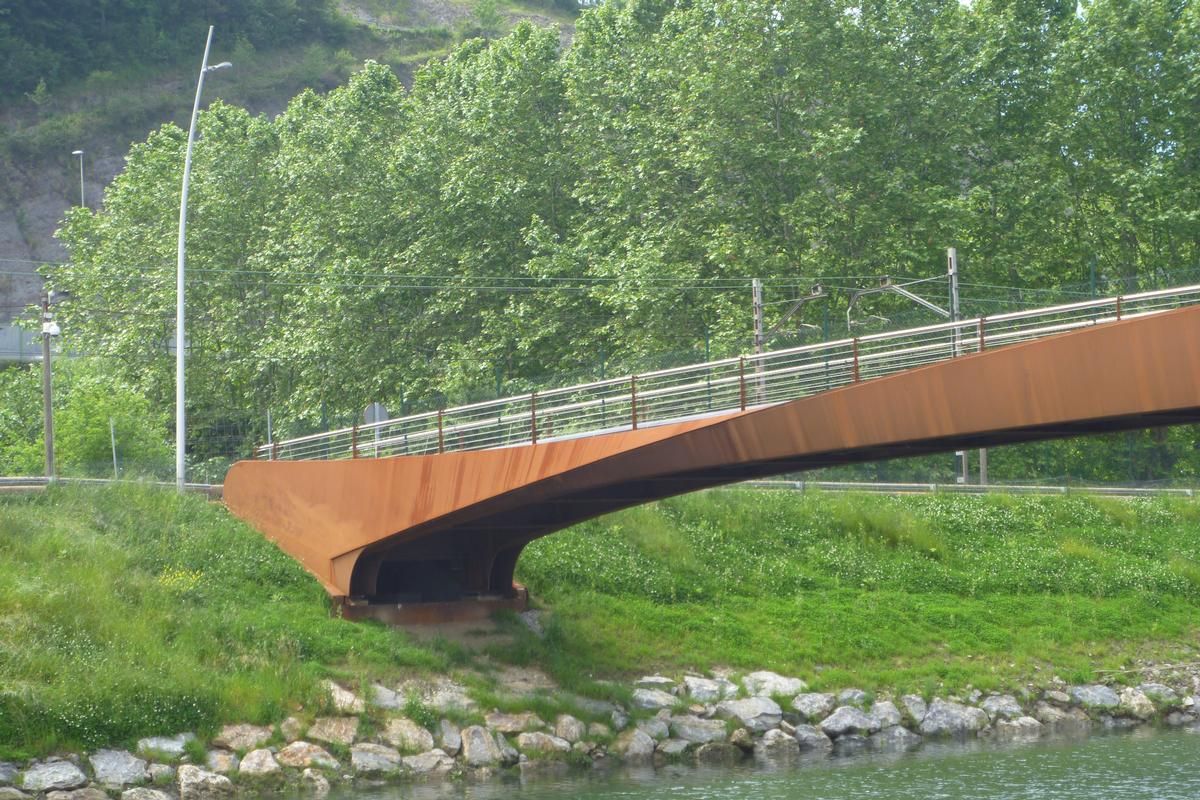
<point x="759" y="336"/>
<point x="48" y="329"/>
<point x="963" y="467"/>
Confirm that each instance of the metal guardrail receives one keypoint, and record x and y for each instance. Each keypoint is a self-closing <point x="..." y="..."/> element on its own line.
<point x="971" y="488"/>
<point x="26" y="483"/>
<point x="699" y="390"/>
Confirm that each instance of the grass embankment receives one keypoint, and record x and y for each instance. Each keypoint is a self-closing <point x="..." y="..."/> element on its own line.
<point x="130" y="611"/>
<point x="921" y="593"/>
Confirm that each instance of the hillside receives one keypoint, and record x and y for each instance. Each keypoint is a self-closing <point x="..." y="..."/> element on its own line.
<point x="108" y="109"/>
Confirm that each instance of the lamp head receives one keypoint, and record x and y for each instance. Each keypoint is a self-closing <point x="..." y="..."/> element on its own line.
<point x="76" y="152"/>
<point x="215" y="67"/>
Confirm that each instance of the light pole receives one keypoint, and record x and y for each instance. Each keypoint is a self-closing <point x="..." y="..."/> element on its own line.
<point x="81" y="196"/>
<point x="49" y="328"/>
<point x="180" y="412"/>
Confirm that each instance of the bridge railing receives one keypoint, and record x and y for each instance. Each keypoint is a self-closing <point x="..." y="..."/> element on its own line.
<point x="697" y="390"/>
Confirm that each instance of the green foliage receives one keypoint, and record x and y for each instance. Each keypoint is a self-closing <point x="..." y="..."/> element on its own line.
<point x="132" y="611"/>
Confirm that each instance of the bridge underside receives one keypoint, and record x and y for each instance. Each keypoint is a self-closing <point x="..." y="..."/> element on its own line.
<point x="438" y="528"/>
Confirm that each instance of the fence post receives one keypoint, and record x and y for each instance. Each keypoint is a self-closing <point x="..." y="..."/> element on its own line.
<point x="274" y="451"/>
<point x="981" y="340"/>
<point x="441" y="439"/>
<point x="354" y="440"/>
<point x="633" y="400"/>
<point x="742" y="382"/>
<point x="1118" y="308"/>
<point x="533" y="417"/>
<point x="855" y="344"/>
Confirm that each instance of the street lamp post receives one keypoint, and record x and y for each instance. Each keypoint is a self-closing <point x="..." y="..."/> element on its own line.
<point x="180" y="412"/>
<point x="79" y="153"/>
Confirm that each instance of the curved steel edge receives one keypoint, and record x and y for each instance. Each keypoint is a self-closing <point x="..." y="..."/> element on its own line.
<point x="345" y="519"/>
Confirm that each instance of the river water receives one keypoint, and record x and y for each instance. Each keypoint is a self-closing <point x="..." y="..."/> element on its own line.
<point x="1138" y="766"/>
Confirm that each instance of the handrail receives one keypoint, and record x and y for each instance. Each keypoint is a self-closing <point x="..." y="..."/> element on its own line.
<point x="697" y="390"/>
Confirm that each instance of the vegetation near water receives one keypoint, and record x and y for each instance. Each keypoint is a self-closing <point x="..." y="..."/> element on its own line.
<point x="129" y="611"/>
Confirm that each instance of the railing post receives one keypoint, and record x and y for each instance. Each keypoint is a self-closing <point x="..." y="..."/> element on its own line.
<point x="441" y="439"/>
<point x="533" y="417"/>
<point x="354" y="440"/>
<point x="1118" y="308"/>
<point x="633" y="400"/>
<point x="274" y="451"/>
<point x="742" y="382"/>
<point x="854" y="341"/>
<point x="981" y="341"/>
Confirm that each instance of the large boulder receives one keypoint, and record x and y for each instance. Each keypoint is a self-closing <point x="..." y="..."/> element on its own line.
<point x="508" y="754"/>
<point x="449" y="737"/>
<point x="569" y="728"/>
<point x="655" y="682"/>
<point x="259" y="763"/>
<point x="1134" y="703"/>
<point x="334" y="730"/>
<point x="709" y="690"/>
<point x="1002" y="706"/>
<point x="1062" y="720"/>
<point x="946" y="718"/>
<point x="374" y="759"/>
<point x="169" y="746"/>
<point x="117" y="768"/>
<point x="407" y="736"/>
<point x="719" y="754"/>
<point x="776" y="746"/>
<point x="914" y="707"/>
<point x="1160" y="695"/>
<point x="655" y="728"/>
<point x="78" y="794"/>
<point x="513" y="723"/>
<point x="538" y="742"/>
<point x="383" y="697"/>
<point x="772" y="684"/>
<point x="814" y="706"/>
<point x="847" y="720"/>
<point x="434" y="763"/>
<point x="894" y="739"/>
<point x="221" y="762"/>
<point x="634" y="746"/>
<point x="145" y="793"/>
<point x="696" y="730"/>
<point x="8" y="773"/>
<point x="200" y="784"/>
<point x="1095" y="697"/>
<point x="1021" y="728"/>
<point x="344" y="701"/>
<point x="885" y="713"/>
<point x="302" y="754"/>
<point x="672" y="748"/>
<point x="853" y="697"/>
<point x="653" y="699"/>
<point x="314" y="783"/>
<point x="759" y="714"/>
<point x="53" y="775"/>
<point x="479" y="747"/>
<point x="810" y="737"/>
<point x="242" y="737"/>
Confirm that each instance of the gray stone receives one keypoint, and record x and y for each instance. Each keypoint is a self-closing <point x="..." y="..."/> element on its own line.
<point x="200" y="784"/>
<point x="590" y="705"/>
<point x="343" y="700"/>
<point x="810" y="737"/>
<point x="814" y="706"/>
<point x="538" y="742"/>
<point x="259" y="764"/>
<point x="169" y="746"/>
<point x="718" y="754"/>
<point x="1096" y="697"/>
<point x="847" y="720"/>
<point x="776" y="746"/>
<point x="885" y="713"/>
<point x="852" y="697"/>
<point x="374" y="759"/>
<point x="759" y="714"/>
<point x="52" y="775"/>
<point x="1057" y="698"/>
<point x="335" y="730"/>
<point x="314" y="783"/>
<point x="619" y="719"/>
<point x="672" y="748"/>
<point x="407" y="736"/>
<point x="742" y="738"/>
<point x="221" y="762"/>
<point x="914" y="707"/>
<point x="772" y="684"/>
<point x="1002" y="706"/>
<point x="634" y="746"/>
<point x="433" y="763"/>
<point x="1061" y="720"/>
<point x="696" y="730"/>
<point x="659" y="682"/>
<point x="143" y="793"/>
<point x="117" y="768"/>
<point x="1161" y="695"/>
<point x="653" y="699"/>
<point x="291" y="729"/>
<point x="479" y="747"/>
<point x="654" y="728"/>
<point x="1135" y="703"/>
<point x="569" y="728"/>
<point x="78" y="794"/>
<point x="8" y="773"/>
<point x="894" y="739"/>
<point x="945" y="718"/>
<point x="12" y="793"/>
<point x="513" y="723"/>
<point x="709" y="690"/>
<point x="304" y="754"/>
<point x="1008" y="730"/>
<point x="508" y="754"/>
<point x="242" y="737"/>
<point x="449" y="737"/>
<point x="385" y="698"/>
<point x="161" y="773"/>
<point x="1176" y="719"/>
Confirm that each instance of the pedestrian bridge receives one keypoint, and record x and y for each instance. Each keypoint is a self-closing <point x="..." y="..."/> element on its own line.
<point x="437" y="507"/>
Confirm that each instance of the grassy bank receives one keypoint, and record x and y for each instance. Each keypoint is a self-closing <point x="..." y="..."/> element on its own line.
<point x="130" y="611"/>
